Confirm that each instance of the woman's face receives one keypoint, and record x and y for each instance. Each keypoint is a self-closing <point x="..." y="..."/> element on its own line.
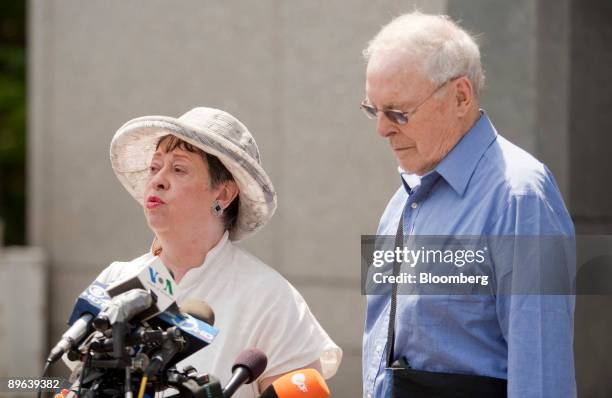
<point x="178" y="196"/>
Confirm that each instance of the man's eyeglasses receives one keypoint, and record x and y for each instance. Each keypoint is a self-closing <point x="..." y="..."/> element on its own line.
<point x="395" y="115"/>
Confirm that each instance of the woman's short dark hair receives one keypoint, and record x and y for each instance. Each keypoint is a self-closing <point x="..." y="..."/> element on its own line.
<point x="217" y="173"/>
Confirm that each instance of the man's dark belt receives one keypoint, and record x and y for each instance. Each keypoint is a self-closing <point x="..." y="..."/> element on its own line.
<point x="404" y="382"/>
<point x="411" y="383"/>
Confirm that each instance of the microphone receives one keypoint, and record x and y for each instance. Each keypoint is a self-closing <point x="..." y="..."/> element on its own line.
<point x="88" y="304"/>
<point x="77" y="332"/>
<point x="194" y="319"/>
<point x="155" y="278"/>
<point x="249" y="365"/>
<point x="198" y="309"/>
<point x="123" y="307"/>
<point x="303" y="383"/>
<point x="91" y="301"/>
<point x="189" y="321"/>
<point x="168" y="350"/>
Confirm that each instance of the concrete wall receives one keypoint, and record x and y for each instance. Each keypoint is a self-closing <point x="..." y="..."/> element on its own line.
<point x="508" y="45"/>
<point x="590" y="116"/>
<point x="23" y="307"/>
<point x="590" y="175"/>
<point x="291" y="71"/>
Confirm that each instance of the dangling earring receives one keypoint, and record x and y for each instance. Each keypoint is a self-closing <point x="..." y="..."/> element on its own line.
<point x="216" y="208"/>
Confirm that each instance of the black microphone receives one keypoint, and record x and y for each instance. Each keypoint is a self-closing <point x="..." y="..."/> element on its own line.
<point x="249" y="365"/>
<point x="118" y="312"/>
<point x="198" y="309"/>
<point x="161" y="358"/>
<point x="194" y="319"/>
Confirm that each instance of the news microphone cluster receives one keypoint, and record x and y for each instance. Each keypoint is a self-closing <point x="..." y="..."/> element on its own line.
<point x="134" y="330"/>
<point x="130" y="335"/>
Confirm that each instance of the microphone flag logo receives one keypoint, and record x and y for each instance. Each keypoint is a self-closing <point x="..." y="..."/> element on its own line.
<point x="163" y="284"/>
<point x="300" y="381"/>
<point x="97" y="291"/>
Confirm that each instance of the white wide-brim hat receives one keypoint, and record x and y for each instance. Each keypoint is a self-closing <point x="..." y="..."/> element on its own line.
<point x="215" y="132"/>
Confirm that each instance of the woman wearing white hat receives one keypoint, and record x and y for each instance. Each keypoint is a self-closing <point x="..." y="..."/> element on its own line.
<point x="200" y="181"/>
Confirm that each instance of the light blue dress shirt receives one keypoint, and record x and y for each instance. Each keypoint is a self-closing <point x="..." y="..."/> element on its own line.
<point x="485" y="186"/>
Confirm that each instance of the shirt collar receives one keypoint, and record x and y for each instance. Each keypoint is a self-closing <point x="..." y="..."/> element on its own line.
<point x="459" y="164"/>
<point x="194" y="275"/>
<point x="410" y="181"/>
<point x="213" y="253"/>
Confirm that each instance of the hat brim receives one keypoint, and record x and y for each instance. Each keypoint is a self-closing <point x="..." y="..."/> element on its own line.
<point x="134" y="144"/>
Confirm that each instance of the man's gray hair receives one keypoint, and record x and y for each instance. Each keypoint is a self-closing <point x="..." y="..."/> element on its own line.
<point x="441" y="48"/>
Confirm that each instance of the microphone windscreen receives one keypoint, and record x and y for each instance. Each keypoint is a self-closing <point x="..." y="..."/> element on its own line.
<point x="198" y="309"/>
<point x="303" y="383"/>
<point x="124" y="307"/>
<point x="254" y="360"/>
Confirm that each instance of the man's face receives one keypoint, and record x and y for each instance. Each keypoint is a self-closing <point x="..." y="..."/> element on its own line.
<point x="421" y="143"/>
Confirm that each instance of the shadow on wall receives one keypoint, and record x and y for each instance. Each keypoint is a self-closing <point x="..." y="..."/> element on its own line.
<point x="593" y="318"/>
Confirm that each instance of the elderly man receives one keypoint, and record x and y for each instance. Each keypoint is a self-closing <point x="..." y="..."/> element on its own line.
<point x="459" y="177"/>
